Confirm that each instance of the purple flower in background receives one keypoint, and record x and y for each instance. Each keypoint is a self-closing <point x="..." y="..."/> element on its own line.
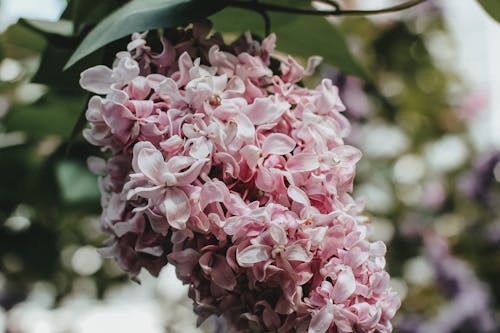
<point x="469" y="309"/>
<point x="482" y="182"/>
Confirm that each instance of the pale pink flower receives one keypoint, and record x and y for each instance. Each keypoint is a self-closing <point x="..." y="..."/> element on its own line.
<point x="240" y="178"/>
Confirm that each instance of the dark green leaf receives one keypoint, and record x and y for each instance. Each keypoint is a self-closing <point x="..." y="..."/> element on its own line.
<point x="141" y="15"/>
<point x="53" y="114"/>
<point x="298" y="35"/>
<point x="50" y="71"/>
<point x="90" y="12"/>
<point x="492" y="7"/>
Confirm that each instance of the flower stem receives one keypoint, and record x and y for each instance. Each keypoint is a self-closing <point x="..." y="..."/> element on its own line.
<point x="264" y="7"/>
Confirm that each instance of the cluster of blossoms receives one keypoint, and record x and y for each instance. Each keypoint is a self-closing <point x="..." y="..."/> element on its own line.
<point x="240" y="179"/>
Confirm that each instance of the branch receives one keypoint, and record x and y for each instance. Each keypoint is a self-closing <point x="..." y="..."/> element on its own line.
<point x="264" y="7"/>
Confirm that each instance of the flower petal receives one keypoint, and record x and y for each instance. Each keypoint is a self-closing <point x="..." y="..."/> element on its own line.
<point x="176" y="207"/>
<point x="150" y="162"/>
<point x="264" y="111"/>
<point x="278" y="234"/>
<point x="322" y="320"/>
<point x="97" y="79"/>
<point x="184" y="261"/>
<point x="189" y="176"/>
<point x="344" y="286"/>
<point x="252" y="254"/>
<point x="222" y="274"/>
<point x="303" y="162"/>
<point x="297" y="252"/>
<point x="278" y="144"/>
<point x="251" y="154"/>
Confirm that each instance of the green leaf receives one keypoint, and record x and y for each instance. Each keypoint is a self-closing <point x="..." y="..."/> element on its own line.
<point x="61" y="27"/>
<point x="298" y="35"/>
<point x="90" y="12"/>
<point x="308" y="35"/>
<point x="76" y="183"/>
<point x="141" y="15"/>
<point x="54" y="114"/>
<point x="492" y="7"/>
<point x="18" y="42"/>
<point x="50" y="71"/>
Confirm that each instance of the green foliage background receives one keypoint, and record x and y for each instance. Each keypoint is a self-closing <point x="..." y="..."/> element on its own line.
<point x="44" y="177"/>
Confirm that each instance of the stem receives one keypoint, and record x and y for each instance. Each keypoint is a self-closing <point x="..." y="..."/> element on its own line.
<point x="331" y="3"/>
<point x="263" y="7"/>
<point x="267" y="21"/>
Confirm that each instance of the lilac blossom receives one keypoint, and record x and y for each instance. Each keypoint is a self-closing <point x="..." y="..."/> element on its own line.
<point x="240" y="178"/>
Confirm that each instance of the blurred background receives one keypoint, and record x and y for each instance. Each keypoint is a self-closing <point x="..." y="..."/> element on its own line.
<point x="430" y="177"/>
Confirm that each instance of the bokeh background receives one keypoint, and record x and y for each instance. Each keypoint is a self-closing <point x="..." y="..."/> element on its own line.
<point x="430" y="176"/>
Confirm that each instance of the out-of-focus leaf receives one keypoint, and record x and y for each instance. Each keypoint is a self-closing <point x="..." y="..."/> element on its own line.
<point x="141" y="15"/>
<point x="53" y="114"/>
<point x="76" y="183"/>
<point x="78" y="126"/>
<point x="299" y="35"/>
<point x="308" y="35"/>
<point x="492" y="7"/>
<point x="18" y="42"/>
<point x="61" y="27"/>
<point x="89" y="12"/>
<point x="50" y="71"/>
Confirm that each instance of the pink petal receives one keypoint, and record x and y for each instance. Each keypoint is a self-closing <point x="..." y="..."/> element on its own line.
<point x="348" y="154"/>
<point x="215" y="191"/>
<point x="235" y="86"/>
<point x="252" y="254"/>
<point x="278" y="144"/>
<point x="251" y="154"/>
<point x="222" y="274"/>
<point x="97" y="79"/>
<point x="246" y="130"/>
<point x="143" y="109"/>
<point x="316" y="235"/>
<point x="297" y="252"/>
<point x="200" y="148"/>
<point x="119" y="119"/>
<point x="168" y="89"/>
<point x="219" y="82"/>
<point x="150" y="162"/>
<point x="158" y="223"/>
<point x="148" y="192"/>
<point x="178" y="163"/>
<point x="303" y="162"/>
<point x="263" y="111"/>
<point x="176" y="207"/>
<point x="230" y="166"/>
<point x="278" y="234"/>
<point x="189" y="176"/>
<point x="184" y="261"/>
<point x="265" y="180"/>
<point x="185" y="64"/>
<point x="172" y="144"/>
<point x="344" y="286"/>
<point x="139" y="88"/>
<point x="93" y="113"/>
<point x="291" y="70"/>
<point x="322" y="320"/>
<point x="298" y="195"/>
<point x="378" y="249"/>
<point x="312" y="63"/>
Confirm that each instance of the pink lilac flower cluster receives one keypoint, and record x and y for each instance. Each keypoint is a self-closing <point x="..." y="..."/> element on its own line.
<point x="239" y="177"/>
